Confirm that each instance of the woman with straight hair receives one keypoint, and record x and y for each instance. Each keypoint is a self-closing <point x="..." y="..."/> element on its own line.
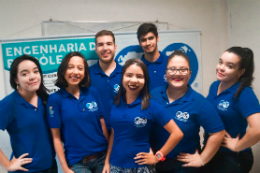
<point x="190" y="110"/>
<point x="132" y="117"/>
<point x="75" y="116"/>
<point x="23" y="115"/>
<point x="238" y="106"/>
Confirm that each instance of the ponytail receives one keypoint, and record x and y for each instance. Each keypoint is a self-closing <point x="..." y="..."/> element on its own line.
<point x="246" y="56"/>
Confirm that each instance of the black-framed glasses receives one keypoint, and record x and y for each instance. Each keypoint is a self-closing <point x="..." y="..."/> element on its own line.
<point x="173" y="70"/>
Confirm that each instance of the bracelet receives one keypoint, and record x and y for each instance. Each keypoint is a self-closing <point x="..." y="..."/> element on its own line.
<point x="201" y="162"/>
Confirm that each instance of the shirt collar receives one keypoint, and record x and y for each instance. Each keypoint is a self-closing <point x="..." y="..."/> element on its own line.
<point x="232" y="89"/>
<point x="20" y="100"/>
<point x="158" y="61"/>
<point x="98" y="69"/>
<point x="83" y="93"/>
<point x="137" y="101"/>
<point x="188" y="96"/>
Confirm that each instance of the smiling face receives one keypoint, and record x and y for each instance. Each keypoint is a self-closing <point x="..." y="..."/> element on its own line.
<point x="105" y="48"/>
<point x="228" y="68"/>
<point x="28" y="76"/>
<point x="75" y="71"/>
<point x="133" y="80"/>
<point x="149" y="43"/>
<point x="179" y="73"/>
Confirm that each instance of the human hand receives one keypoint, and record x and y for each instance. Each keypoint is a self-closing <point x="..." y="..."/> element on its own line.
<point x="16" y="164"/>
<point x="191" y="160"/>
<point x="230" y="142"/>
<point x="106" y="168"/>
<point x="145" y="159"/>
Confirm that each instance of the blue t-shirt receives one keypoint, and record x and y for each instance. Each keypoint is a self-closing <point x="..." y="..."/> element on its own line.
<point x="132" y="127"/>
<point x="156" y="71"/>
<point x="189" y="112"/>
<point x="28" y="131"/>
<point x="79" y="122"/>
<point x="107" y="86"/>
<point x="233" y="112"/>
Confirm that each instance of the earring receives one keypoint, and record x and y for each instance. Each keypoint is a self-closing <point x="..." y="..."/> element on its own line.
<point x="17" y="86"/>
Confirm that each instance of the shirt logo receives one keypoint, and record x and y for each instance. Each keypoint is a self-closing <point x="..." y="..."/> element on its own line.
<point x="51" y="112"/>
<point x="182" y="116"/>
<point x="140" y="122"/>
<point x="164" y="77"/>
<point x="116" y="88"/>
<point x="92" y="106"/>
<point x="223" y="105"/>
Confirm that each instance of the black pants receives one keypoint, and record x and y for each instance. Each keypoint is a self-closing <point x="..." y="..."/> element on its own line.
<point x="174" y="166"/>
<point x="229" y="162"/>
<point x="53" y="169"/>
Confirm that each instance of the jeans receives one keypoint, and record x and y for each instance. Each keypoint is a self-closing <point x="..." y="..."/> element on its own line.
<point x="116" y="169"/>
<point x="94" y="165"/>
<point x="229" y="162"/>
<point x="174" y="166"/>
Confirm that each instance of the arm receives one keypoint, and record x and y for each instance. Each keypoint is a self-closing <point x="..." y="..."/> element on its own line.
<point x="109" y="150"/>
<point x="59" y="150"/>
<point x="174" y="138"/>
<point x="104" y="128"/>
<point x="251" y="137"/>
<point x="14" y="164"/>
<point x="198" y="160"/>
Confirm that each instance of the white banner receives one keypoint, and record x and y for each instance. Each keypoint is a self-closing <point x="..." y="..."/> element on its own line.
<point x="51" y="50"/>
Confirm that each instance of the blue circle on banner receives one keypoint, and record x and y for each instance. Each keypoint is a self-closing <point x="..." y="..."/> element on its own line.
<point x="191" y="54"/>
<point x="129" y="52"/>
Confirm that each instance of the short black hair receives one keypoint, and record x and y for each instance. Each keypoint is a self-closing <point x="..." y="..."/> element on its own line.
<point x="145" y="28"/>
<point x="103" y="33"/>
<point x="61" y="81"/>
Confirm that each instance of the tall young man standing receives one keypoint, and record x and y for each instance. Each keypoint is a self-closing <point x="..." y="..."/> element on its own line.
<point x="155" y="61"/>
<point x="105" y="75"/>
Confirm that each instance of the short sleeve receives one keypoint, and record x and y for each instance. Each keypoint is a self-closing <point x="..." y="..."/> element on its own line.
<point x="54" y="110"/>
<point x="7" y="109"/>
<point x="248" y="102"/>
<point x="99" y="103"/>
<point x="209" y="118"/>
<point x="158" y="112"/>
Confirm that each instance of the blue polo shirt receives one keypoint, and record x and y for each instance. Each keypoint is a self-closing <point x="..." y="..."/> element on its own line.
<point x="107" y="86"/>
<point x="132" y="127"/>
<point x="234" y="112"/>
<point x="189" y="112"/>
<point x="79" y="122"/>
<point x="28" y="131"/>
<point x="156" y="71"/>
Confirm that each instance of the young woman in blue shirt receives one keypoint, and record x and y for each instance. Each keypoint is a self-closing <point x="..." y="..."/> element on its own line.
<point x="238" y="106"/>
<point x="190" y="110"/>
<point x="131" y="118"/>
<point x="75" y="116"/>
<point x="23" y="115"/>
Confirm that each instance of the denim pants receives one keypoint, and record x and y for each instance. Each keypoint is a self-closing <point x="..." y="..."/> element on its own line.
<point x="94" y="165"/>
<point x="229" y="162"/>
<point x="143" y="169"/>
<point x="53" y="169"/>
<point x="174" y="166"/>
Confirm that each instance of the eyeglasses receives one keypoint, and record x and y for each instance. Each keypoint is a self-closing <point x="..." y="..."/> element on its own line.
<point x="173" y="70"/>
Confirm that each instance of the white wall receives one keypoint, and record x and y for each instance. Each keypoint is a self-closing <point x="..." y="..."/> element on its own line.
<point x="244" y="30"/>
<point x="22" y="18"/>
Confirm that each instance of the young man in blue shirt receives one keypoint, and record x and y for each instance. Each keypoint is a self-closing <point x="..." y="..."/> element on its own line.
<point x="155" y="61"/>
<point x="106" y="73"/>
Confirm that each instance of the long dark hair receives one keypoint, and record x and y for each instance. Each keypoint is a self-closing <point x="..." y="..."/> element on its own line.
<point x="145" y="91"/>
<point x="42" y="91"/>
<point x="61" y="81"/>
<point x="246" y="62"/>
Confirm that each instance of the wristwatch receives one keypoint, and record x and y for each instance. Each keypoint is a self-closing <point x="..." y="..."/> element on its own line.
<point x="159" y="156"/>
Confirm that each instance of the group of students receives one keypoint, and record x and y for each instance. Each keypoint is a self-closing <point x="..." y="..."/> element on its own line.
<point x="139" y="118"/>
